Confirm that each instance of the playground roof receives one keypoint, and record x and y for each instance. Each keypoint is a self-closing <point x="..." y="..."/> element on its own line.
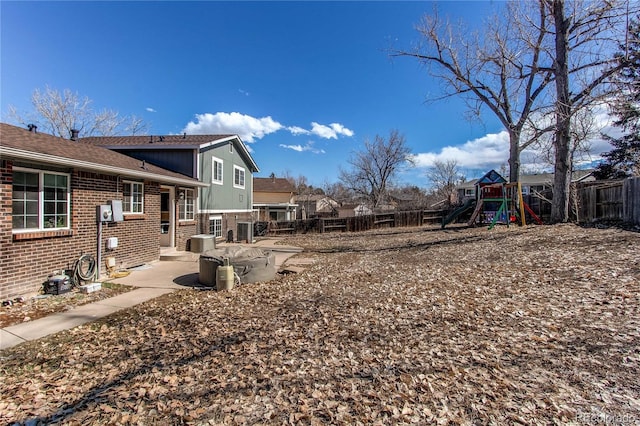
<point x="491" y="177"/>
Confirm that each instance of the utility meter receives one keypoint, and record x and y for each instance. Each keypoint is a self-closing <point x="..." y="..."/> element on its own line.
<point x="104" y="213"/>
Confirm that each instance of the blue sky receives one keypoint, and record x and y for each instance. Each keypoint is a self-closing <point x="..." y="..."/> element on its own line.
<point x="303" y="83"/>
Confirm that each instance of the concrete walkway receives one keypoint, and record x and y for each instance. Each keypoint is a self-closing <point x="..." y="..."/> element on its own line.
<point x="152" y="280"/>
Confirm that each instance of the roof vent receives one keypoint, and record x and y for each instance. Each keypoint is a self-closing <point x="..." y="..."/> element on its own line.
<point x="32" y="128"/>
<point x="74" y="134"/>
<point x="184" y="136"/>
<point x="151" y="139"/>
<point x="161" y="138"/>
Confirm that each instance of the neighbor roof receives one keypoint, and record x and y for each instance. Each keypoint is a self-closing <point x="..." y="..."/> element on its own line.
<point x="272" y="185"/>
<point x="183" y="141"/>
<point x="22" y="144"/>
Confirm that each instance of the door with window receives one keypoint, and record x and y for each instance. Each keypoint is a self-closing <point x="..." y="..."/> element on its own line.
<point x="167" y="216"/>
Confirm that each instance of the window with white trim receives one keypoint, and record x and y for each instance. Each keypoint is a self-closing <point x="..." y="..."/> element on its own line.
<point x="132" y="197"/>
<point x="40" y="200"/>
<point x="215" y="226"/>
<point x="186" y="204"/>
<point x="238" y="177"/>
<point x="216" y="166"/>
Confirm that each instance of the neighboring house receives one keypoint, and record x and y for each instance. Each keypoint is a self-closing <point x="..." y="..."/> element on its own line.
<point x="316" y="205"/>
<point x="225" y="205"/>
<point x="350" y="210"/>
<point x="273" y="198"/>
<point x="52" y="190"/>
<point x="531" y="184"/>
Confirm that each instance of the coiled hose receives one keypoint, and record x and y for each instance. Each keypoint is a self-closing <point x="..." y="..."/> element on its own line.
<point x="85" y="268"/>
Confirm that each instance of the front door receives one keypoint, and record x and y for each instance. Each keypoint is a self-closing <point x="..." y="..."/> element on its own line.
<point x="167" y="216"/>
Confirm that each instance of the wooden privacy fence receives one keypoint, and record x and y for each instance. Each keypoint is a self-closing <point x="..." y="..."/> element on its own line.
<point x="355" y="223"/>
<point x="617" y="200"/>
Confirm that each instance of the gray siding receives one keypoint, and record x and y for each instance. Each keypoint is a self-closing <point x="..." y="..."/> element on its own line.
<point x="225" y="197"/>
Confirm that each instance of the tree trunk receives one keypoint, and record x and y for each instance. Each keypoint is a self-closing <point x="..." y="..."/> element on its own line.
<point x="562" y="170"/>
<point x="514" y="156"/>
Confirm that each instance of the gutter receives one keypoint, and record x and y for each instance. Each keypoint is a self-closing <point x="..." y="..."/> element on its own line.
<point x="61" y="161"/>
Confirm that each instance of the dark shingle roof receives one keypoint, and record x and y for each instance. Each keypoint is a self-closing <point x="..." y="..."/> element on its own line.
<point x="272" y="185"/>
<point x="167" y="141"/>
<point x="43" y="148"/>
<point x="183" y="141"/>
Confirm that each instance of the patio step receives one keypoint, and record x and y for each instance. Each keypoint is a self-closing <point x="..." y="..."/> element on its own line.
<point x="184" y="256"/>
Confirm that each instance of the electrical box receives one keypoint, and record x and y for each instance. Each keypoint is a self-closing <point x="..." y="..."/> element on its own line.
<point x="104" y="213"/>
<point x="112" y="243"/>
<point x="116" y="208"/>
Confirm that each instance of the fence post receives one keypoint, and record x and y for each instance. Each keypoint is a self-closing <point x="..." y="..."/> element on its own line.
<point x="631" y="200"/>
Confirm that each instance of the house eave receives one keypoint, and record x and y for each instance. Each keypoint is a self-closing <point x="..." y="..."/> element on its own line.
<point x="86" y="165"/>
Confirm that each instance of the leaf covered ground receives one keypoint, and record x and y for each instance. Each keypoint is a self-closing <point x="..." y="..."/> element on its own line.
<point x="536" y="325"/>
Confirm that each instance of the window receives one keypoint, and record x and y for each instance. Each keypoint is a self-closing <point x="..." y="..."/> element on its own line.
<point x="231" y="147"/>
<point x="133" y="197"/>
<point x="469" y="192"/>
<point x="40" y="200"/>
<point x="215" y="226"/>
<point x="217" y="170"/>
<point x="186" y="204"/>
<point x="238" y="177"/>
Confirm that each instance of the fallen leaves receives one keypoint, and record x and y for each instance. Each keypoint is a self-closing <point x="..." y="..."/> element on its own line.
<point x="531" y="325"/>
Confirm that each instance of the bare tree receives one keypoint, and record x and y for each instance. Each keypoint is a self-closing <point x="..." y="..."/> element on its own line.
<point x="374" y="168"/>
<point x="585" y="36"/>
<point x="60" y="112"/>
<point x="500" y="70"/>
<point x="444" y="177"/>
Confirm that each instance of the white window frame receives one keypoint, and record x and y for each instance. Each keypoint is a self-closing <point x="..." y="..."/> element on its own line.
<point x="130" y="202"/>
<point x="186" y="205"/>
<point x="41" y="201"/>
<point x="236" y="182"/>
<point x="217" y="231"/>
<point x="220" y="181"/>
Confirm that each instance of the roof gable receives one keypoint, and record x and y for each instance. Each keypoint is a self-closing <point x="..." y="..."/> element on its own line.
<point x="491" y="177"/>
<point x="164" y="142"/>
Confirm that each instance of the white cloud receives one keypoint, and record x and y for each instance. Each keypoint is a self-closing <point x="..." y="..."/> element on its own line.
<point x="149" y="109"/>
<point x="251" y="128"/>
<point x="247" y="127"/>
<point x="244" y="92"/>
<point x="487" y="152"/>
<point x="299" y="148"/>
<point x="331" y="131"/>
<point x="295" y="130"/>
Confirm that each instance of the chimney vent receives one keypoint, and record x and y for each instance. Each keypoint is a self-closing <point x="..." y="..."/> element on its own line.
<point x="32" y="128"/>
<point x="151" y="139"/>
<point x="74" y="134"/>
<point x="184" y="136"/>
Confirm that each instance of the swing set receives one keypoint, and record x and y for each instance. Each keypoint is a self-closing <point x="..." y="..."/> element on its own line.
<point x="500" y="202"/>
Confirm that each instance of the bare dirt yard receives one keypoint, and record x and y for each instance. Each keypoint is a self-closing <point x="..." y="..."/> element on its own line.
<point x="536" y="325"/>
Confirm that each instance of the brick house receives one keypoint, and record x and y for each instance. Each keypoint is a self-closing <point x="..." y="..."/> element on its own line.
<point x="222" y="162"/>
<point x="51" y="189"/>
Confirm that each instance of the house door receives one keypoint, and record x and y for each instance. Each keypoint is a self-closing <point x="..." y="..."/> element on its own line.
<point x="167" y="216"/>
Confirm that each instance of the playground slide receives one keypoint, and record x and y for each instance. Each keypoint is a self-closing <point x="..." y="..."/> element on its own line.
<point x="468" y="205"/>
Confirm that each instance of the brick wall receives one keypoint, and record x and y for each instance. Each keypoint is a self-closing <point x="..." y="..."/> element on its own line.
<point x="27" y="259"/>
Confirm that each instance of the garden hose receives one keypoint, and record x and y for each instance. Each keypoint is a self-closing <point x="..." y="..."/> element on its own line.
<point x="85" y="268"/>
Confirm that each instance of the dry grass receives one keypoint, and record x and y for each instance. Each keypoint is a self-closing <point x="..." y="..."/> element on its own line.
<point x="539" y="325"/>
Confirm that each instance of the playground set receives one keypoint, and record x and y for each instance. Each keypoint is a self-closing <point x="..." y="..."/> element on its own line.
<point x="496" y="201"/>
